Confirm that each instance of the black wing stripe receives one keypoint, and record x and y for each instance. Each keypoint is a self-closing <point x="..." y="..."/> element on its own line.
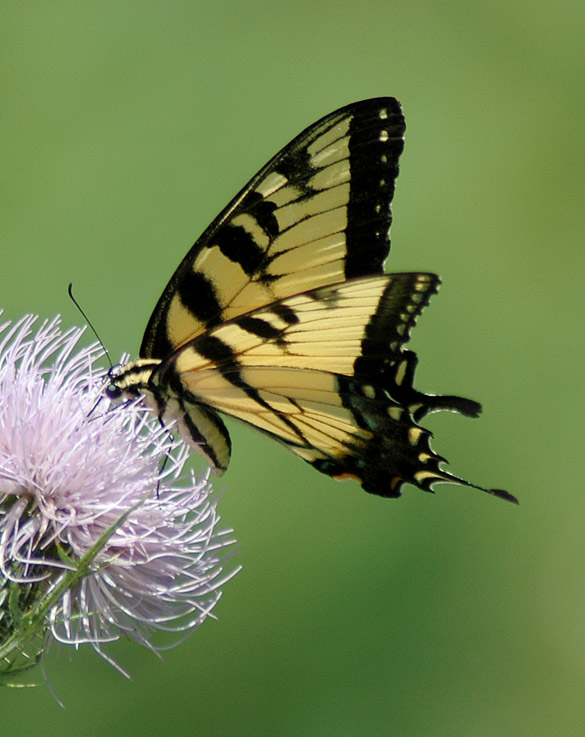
<point x="241" y="246"/>
<point x="197" y="293"/>
<point x="259" y="327"/>
<point x="263" y="210"/>
<point x="207" y="432"/>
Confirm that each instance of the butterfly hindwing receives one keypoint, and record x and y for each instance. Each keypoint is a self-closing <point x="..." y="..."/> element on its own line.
<point x="318" y="213"/>
<point x="324" y="373"/>
<point x="288" y="369"/>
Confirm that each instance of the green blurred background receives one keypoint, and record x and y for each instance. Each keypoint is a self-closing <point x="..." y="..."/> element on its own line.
<point x="126" y="127"/>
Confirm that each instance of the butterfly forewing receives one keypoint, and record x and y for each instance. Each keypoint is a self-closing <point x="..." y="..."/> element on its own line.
<point x="316" y="214"/>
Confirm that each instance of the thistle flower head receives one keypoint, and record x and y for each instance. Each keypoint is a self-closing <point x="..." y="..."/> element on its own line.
<point x="101" y="531"/>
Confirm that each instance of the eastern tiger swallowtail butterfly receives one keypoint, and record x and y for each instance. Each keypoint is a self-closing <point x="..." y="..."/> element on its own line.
<point x="281" y="315"/>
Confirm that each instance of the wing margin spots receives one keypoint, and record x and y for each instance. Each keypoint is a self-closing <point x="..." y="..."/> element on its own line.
<point x="374" y="169"/>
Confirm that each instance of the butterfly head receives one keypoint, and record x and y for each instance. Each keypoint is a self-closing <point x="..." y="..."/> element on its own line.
<point x="131" y="380"/>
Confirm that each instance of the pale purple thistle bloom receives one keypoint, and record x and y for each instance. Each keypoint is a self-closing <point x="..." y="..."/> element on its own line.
<point x="93" y="534"/>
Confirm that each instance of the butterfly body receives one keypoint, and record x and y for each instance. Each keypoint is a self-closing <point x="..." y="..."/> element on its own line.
<point x="281" y="316"/>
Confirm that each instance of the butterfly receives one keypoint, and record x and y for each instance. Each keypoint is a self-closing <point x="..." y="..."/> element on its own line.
<point x="281" y="315"/>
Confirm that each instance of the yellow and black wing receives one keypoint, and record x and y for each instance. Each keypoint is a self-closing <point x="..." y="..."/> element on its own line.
<point x="324" y="373"/>
<point x="318" y="213"/>
<point x="281" y="316"/>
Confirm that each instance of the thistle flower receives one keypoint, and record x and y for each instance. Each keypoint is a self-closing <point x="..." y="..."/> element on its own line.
<point x="101" y="531"/>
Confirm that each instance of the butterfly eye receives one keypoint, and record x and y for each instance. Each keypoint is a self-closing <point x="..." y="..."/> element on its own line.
<point x="113" y="391"/>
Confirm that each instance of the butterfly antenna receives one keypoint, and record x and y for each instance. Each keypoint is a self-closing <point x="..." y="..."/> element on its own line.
<point x="88" y="321"/>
